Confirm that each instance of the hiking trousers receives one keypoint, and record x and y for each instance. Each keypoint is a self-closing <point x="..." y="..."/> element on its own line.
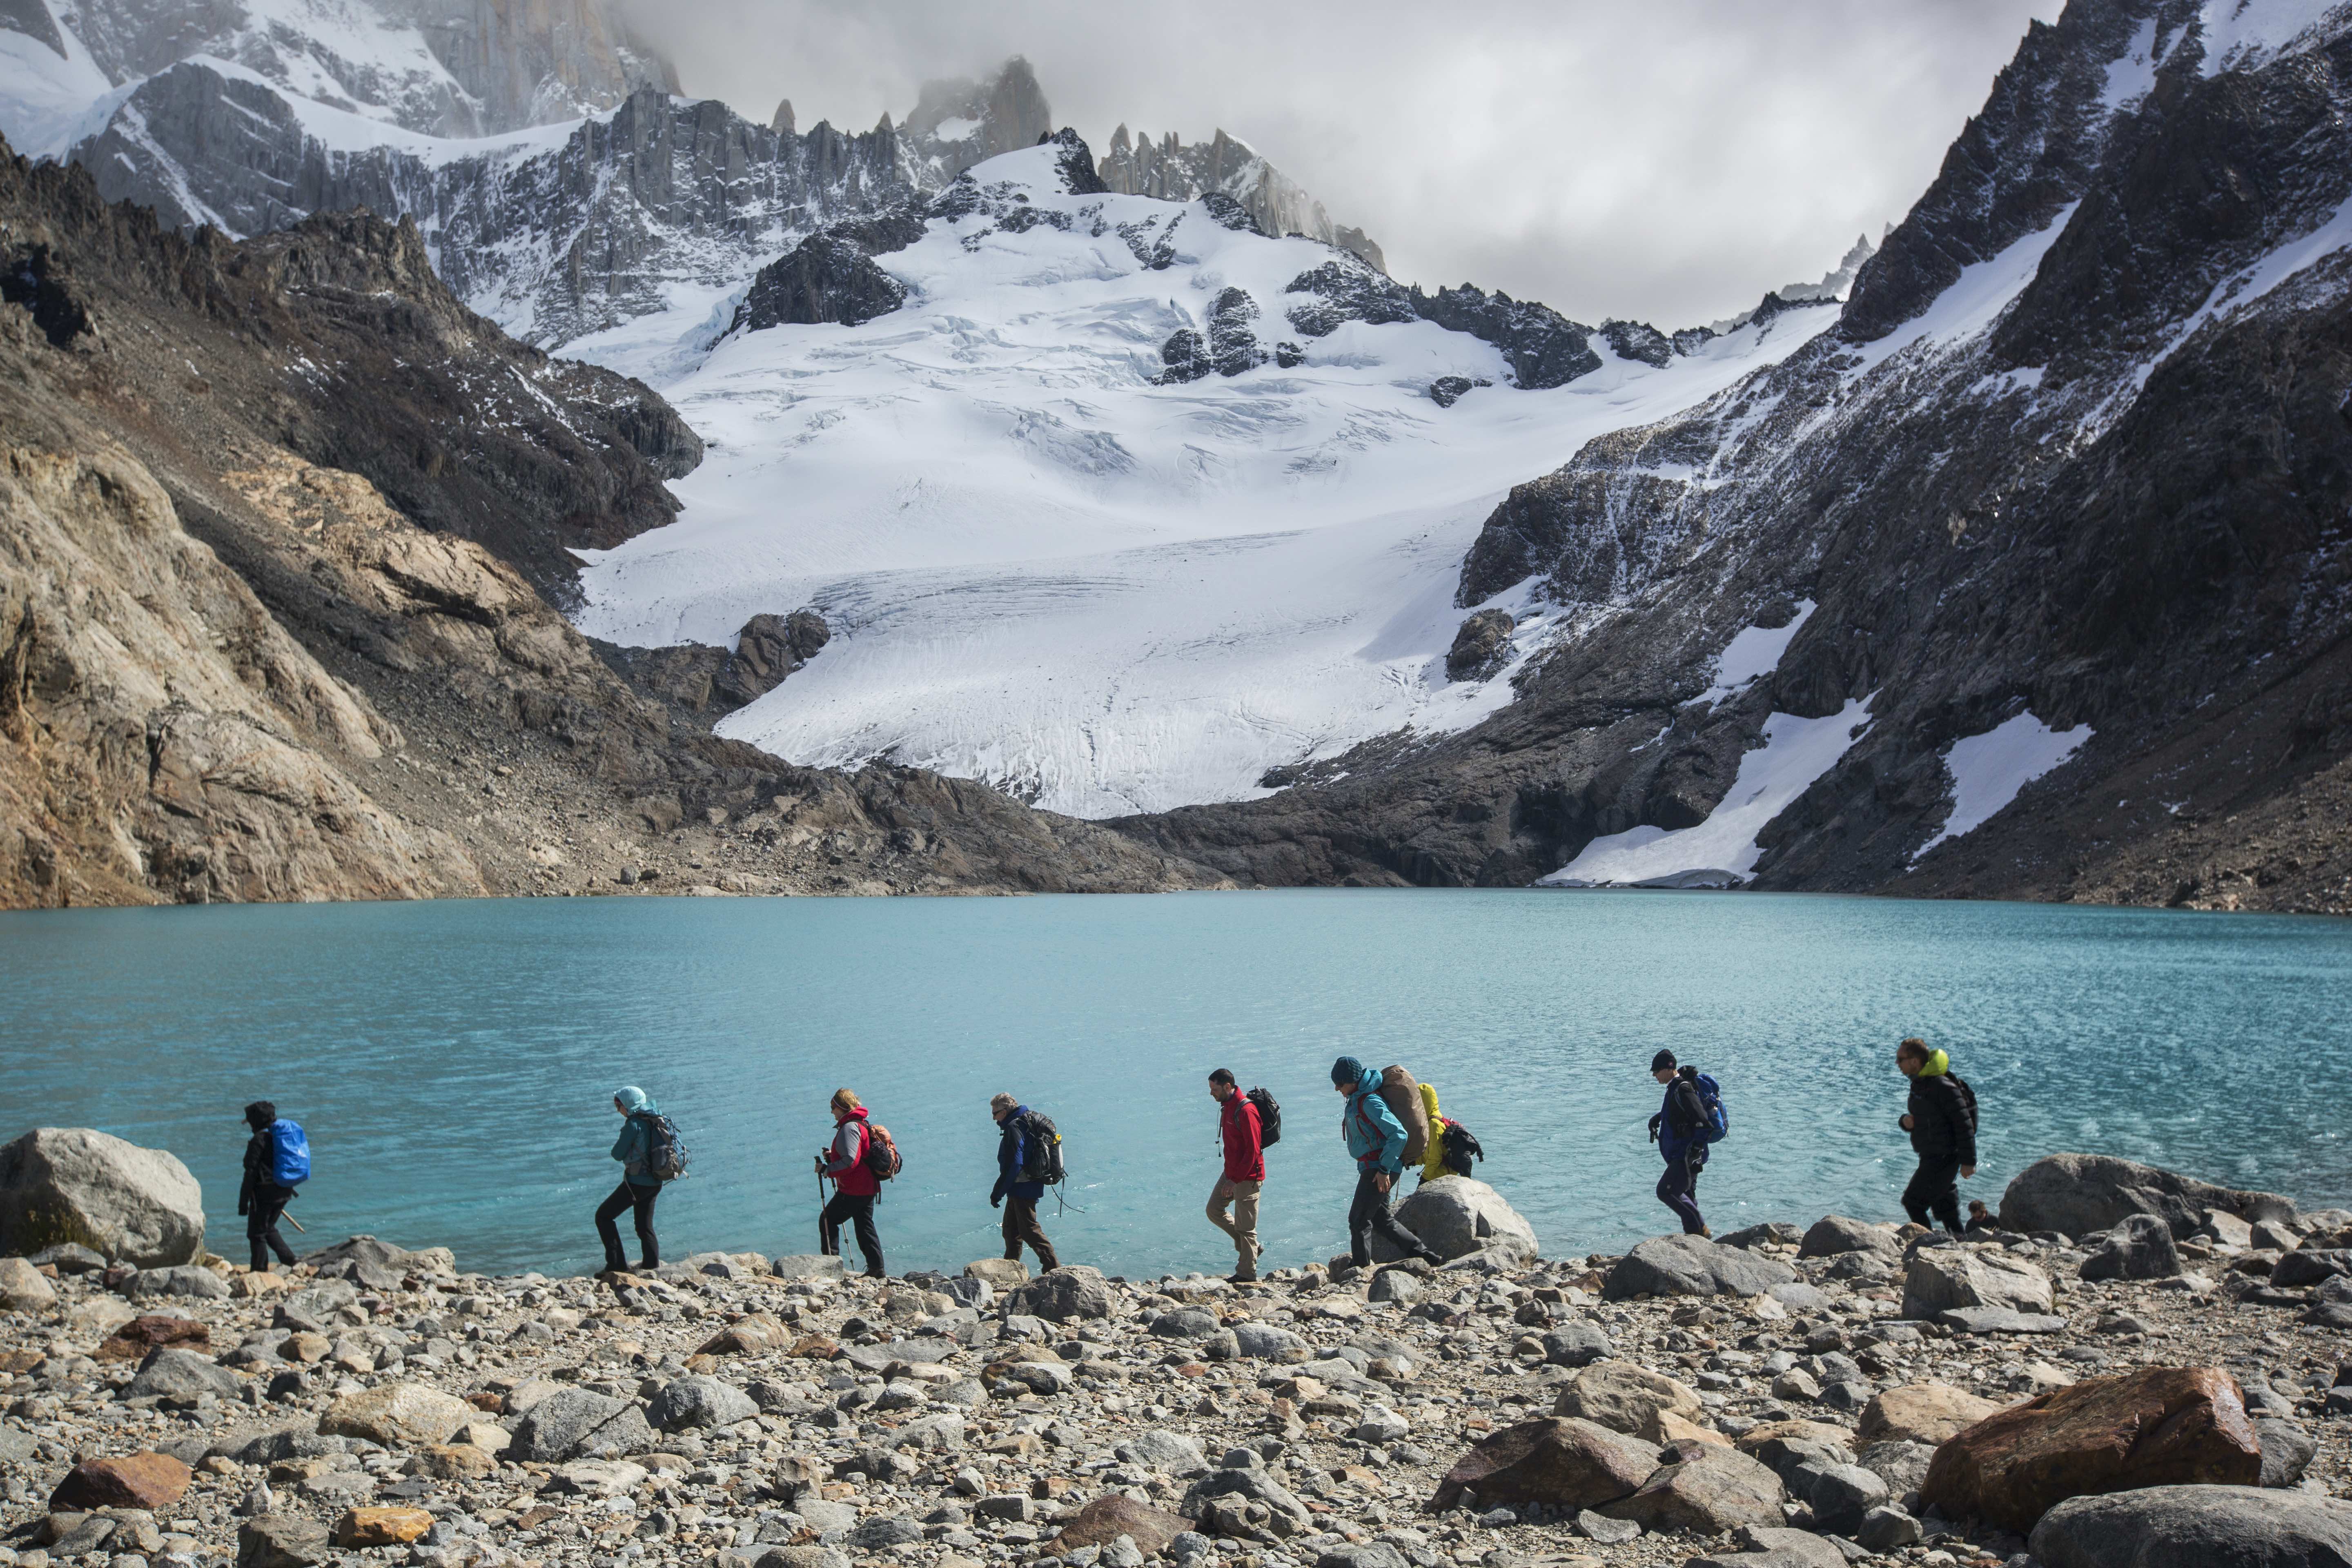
<point x="629" y="1195"/>
<point x="1369" y="1213"/>
<point x="1935" y="1188"/>
<point x="1679" y="1190"/>
<point x="1021" y="1226"/>
<point x="859" y="1210"/>
<point x="1242" y="1197"/>
<point x="261" y="1227"/>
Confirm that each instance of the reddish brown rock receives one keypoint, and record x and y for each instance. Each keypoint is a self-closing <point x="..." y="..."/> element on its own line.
<point x="1561" y="1462"/>
<point x="1115" y="1514"/>
<point x="150" y="1481"/>
<point x="134" y="1338"/>
<point x="2163" y="1425"/>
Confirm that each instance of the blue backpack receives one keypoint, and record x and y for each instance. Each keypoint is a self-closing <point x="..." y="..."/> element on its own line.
<point x="289" y="1154"/>
<point x="1719" y="1125"/>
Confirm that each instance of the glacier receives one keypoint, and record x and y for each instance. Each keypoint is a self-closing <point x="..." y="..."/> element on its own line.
<point x="1046" y="569"/>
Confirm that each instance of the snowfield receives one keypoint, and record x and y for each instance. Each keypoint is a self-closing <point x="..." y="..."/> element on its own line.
<point x="1044" y="570"/>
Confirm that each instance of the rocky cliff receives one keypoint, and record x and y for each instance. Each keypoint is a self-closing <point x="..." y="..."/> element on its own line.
<point x="270" y="515"/>
<point x="2026" y="580"/>
<point x="1169" y="169"/>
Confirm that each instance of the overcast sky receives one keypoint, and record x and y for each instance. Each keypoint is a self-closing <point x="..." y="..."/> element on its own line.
<point x="1665" y="161"/>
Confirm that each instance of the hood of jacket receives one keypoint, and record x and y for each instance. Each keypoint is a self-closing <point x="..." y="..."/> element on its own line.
<point x="635" y="1100"/>
<point x="855" y="1113"/>
<point x="1937" y="1064"/>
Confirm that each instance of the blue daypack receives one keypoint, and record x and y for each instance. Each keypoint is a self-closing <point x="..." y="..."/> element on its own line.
<point x="289" y="1154"/>
<point x="1719" y="1125"/>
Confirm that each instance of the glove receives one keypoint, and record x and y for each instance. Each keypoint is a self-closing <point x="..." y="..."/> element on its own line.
<point x="1653" y="1125"/>
<point x="996" y="1203"/>
<point x="243" y="1209"/>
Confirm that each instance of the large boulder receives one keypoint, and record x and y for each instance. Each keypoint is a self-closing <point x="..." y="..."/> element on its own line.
<point x="1115" y="1514"/>
<point x="76" y="1185"/>
<point x="2163" y="1425"/>
<point x="580" y="1424"/>
<point x="183" y="1375"/>
<point x="1568" y="1464"/>
<point x="398" y="1416"/>
<point x="1938" y="1279"/>
<point x="689" y="1402"/>
<point x="1710" y="1491"/>
<point x="1832" y="1235"/>
<point x="149" y="1481"/>
<point x="1457" y="1215"/>
<point x="1625" y="1397"/>
<point x="1693" y="1266"/>
<point x="2078" y="1194"/>
<point x="180" y="1279"/>
<point x="1928" y="1413"/>
<point x="2196" y="1526"/>
<point x="1062" y="1295"/>
<point x="2139" y="1248"/>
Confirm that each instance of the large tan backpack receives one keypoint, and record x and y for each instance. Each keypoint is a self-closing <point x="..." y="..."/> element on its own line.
<point x="1402" y="1090"/>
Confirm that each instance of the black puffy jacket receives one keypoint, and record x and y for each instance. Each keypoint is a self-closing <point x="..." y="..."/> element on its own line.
<point x="1943" y="1120"/>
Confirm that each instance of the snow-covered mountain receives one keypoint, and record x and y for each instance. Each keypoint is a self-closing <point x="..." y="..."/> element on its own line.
<point x="1139" y="166"/>
<point x="1115" y="502"/>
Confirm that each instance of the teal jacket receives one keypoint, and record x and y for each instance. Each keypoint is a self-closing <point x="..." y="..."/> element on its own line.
<point x="1375" y="1137"/>
<point x="631" y="1148"/>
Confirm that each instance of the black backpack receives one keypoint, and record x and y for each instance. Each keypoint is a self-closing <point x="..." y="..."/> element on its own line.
<point x="1269" y="1118"/>
<point x="1459" y="1149"/>
<point x="1041" y="1150"/>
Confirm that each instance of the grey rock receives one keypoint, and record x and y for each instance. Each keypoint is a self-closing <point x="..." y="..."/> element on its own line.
<point x="1785" y="1456"/>
<point x="68" y="1258"/>
<point x="887" y="1529"/>
<point x="181" y="1374"/>
<point x="2077" y="1194"/>
<point x="2001" y="1320"/>
<point x="1071" y="1293"/>
<point x="691" y="1401"/>
<point x="1888" y="1529"/>
<point x="61" y="1184"/>
<point x="1480" y="645"/>
<point x="1395" y="1285"/>
<point x="580" y="1424"/>
<point x="1902" y="1465"/>
<point x="1832" y="1235"/>
<point x="808" y="1266"/>
<point x="184" y="1279"/>
<point x="1576" y="1343"/>
<point x="1839" y="1495"/>
<point x="1457" y="1216"/>
<point x="1186" y="1324"/>
<point x="1608" y="1531"/>
<point x="2140" y="1246"/>
<point x="2196" y="1526"/>
<point x="1937" y="1279"/>
<point x="1160" y="1449"/>
<point x="1370" y="1554"/>
<point x="2287" y="1451"/>
<point x="1268" y="1341"/>
<point x="1691" y="1265"/>
<point x="281" y="1542"/>
<point x="1774" y="1230"/>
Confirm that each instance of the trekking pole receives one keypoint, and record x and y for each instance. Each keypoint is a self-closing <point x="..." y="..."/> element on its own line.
<point x="820" y="1212"/>
<point x="297" y="1223"/>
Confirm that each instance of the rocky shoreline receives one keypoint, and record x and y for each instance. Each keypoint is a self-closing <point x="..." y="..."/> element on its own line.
<point x="1779" y="1398"/>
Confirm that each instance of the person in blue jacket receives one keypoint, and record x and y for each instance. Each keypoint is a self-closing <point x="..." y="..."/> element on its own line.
<point x="639" y="1186"/>
<point x="1677" y="1128"/>
<point x="1019" y="1197"/>
<point x="1376" y="1138"/>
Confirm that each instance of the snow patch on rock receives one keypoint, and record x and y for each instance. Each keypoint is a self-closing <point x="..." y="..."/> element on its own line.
<point x="1988" y="770"/>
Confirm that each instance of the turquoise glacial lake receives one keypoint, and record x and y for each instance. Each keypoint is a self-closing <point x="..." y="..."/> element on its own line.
<point x="454" y="1062"/>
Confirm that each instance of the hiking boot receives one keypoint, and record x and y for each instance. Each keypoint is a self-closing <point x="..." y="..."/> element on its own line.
<point x="1240" y="1279"/>
<point x="1706" y="1233"/>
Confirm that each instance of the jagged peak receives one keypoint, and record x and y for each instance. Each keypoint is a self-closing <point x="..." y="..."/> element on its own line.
<point x="782" y="122"/>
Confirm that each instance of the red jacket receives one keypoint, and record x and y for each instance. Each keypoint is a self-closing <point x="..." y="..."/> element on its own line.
<point x="1238" y="1130"/>
<point x="845" y="1161"/>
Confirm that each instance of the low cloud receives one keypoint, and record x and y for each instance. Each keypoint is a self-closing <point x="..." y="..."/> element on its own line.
<point x="1667" y="162"/>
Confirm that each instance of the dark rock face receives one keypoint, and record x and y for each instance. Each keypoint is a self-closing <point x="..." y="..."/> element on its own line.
<point x="1232" y="345"/>
<point x="1544" y="348"/>
<point x="1186" y="357"/>
<point x="831" y="277"/>
<point x="1345" y="290"/>
<point x="1448" y="390"/>
<point x="1076" y="164"/>
<point x="1479" y="644"/>
<point x="2105" y="510"/>
<point x="1640" y="341"/>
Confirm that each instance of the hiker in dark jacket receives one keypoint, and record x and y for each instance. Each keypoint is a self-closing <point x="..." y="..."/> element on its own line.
<point x="1244" y="1143"/>
<point x="1377" y="1139"/>
<point x="1942" y="1122"/>
<point x="639" y="1186"/>
<point x="260" y="1199"/>
<point x="1678" y="1130"/>
<point x="854" y="1185"/>
<point x="1019" y="1196"/>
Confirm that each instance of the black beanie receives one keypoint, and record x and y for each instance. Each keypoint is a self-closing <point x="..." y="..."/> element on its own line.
<point x="1662" y="1061"/>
